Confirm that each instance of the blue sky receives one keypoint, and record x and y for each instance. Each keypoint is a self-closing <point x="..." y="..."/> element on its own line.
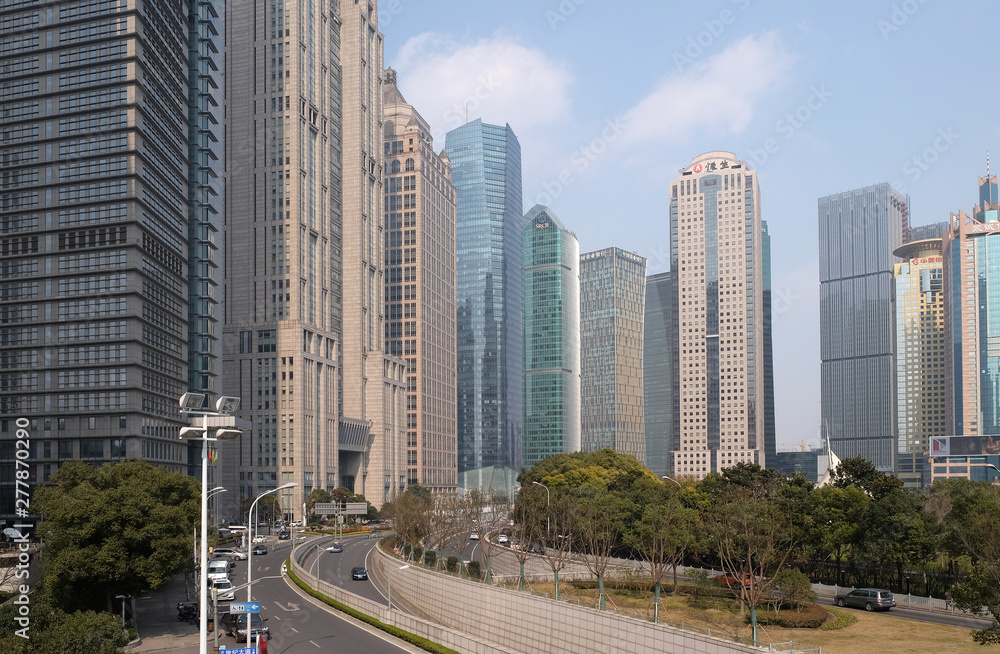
<point x="610" y="99"/>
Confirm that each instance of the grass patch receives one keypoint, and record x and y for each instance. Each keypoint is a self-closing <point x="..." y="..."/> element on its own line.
<point x="844" y="618"/>
<point x="413" y="639"/>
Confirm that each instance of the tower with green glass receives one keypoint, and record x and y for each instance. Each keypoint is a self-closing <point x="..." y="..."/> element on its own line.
<point x="551" y="286"/>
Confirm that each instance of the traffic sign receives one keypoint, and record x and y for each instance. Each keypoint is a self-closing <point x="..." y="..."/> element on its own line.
<point x="239" y="650"/>
<point x="244" y="607"/>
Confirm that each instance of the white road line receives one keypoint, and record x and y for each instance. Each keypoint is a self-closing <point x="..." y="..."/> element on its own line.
<point x="294" y="629"/>
<point x="316" y="644"/>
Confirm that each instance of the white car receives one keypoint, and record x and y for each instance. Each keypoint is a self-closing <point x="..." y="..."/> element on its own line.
<point x="503" y="538"/>
<point x="257" y="540"/>
<point x="474" y="535"/>
<point x="223" y="589"/>
<point x="218" y="570"/>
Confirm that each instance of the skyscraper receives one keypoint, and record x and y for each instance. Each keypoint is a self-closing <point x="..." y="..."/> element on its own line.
<point x="920" y="356"/>
<point x="858" y="232"/>
<point x="657" y="380"/>
<point x="612" y="300"/>
<point x="486" y="172"/>
<point x="972" y="335"/>
<point x="717" y="262"/>
<point x="304" y="288"/>
<point x="420" y="287"/>
<point x="551" y="337"/>
<point x="109" y="211"/>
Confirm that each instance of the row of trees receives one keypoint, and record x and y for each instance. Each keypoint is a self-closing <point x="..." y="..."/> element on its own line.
<point x="751" y="522"/>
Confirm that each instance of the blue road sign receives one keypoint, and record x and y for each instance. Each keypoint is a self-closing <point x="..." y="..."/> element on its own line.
<point x="244" y="607"/>
<point x="239" y="650"/>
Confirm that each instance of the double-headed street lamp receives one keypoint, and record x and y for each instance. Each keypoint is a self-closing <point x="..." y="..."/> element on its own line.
<point x="547" y="511"/>
<point x="191" y="403"/>
<point x="250" y="517"/>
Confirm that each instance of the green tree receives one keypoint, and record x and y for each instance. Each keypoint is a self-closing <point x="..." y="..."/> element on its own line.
<point x="833" y="515"/>
<point x="53" y="631"/>
<point x="894" y="535"/>
<point x="122" y="529"/>
<point x="600" y="525"/>
<point x="791" y="587"/>
<point x="410" y="514"/>
<point x="861" y="472"/>
<point x="605" y="469"/>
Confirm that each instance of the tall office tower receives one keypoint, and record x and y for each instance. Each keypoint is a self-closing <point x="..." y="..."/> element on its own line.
<point x="720" y="344"/>
<point x="770" y="435"/>
<point x="657" y="363"/>
<point x="920" y="356"/>
<point x="486" y="172"/>
<point x="612" y="300"/>
<point x="304" y="270"/>
<point x="972" y="334"/>
<point x="108" y="213"/>
<point x="551" y="337"/>
<point x="420" y="288"/>
<point x="858" y="232"/>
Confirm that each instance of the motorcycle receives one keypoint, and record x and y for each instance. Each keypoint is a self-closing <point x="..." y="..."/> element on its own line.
<point x="187" y="611"/>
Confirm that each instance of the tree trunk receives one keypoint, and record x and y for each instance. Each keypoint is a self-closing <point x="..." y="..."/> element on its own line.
<point x="656" y="604"/>
<point x="600" y="586"/>
<point x="555" y="574"/>
<point x="520" y="583"/>
<point x="489" y="572"/>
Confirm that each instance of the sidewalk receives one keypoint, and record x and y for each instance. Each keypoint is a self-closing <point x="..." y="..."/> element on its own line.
<point x="158" y="626"/>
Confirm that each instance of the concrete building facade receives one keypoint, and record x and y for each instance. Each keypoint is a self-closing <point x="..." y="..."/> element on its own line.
<point x="717" y="262"/>
<point x="551" y="337"/>
<point x="612" y="306"/>
<point x="420" y="309"/>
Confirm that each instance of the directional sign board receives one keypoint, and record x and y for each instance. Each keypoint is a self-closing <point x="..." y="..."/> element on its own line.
<point x="349" y="508"/>
<point x="244" y="607"/>
<point x="240" y="650"/>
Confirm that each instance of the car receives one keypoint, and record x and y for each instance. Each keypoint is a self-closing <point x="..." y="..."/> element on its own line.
<point x="474" y="535"/>
<point x="221" y="589"/>
<point x="234" y="624"/>
<point x="359" y="574"/>
<point x="503" y="539"/>
<point x="235" y="554"/>
<point x="258" y="550"/>
<point x="218" y="569"/>
<point x="537" y="549"/>
<point x="257" y="540"/>
<point x="284" y="535"/>
<point x="870" y="599"/>
<point x="284" y="568"/>
<point x="336" y="548"/>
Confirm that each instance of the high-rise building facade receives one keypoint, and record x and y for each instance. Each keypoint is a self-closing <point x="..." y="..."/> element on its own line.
<point x="486" y="171"/>
<point x="551" y="337"/>
<point x="612" y="306"/>
<point x="110" y="209"/>
<point x="918" y="293"/>
<point x="657" y="364"/>
<point x="420" y="288"/>
<point x="858" y="232"/>
<point x="972" y="316"/>
<point x="304" y="286"/>
<point x="717" y="262"/>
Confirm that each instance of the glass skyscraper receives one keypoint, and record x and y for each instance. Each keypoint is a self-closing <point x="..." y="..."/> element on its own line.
<point x="858" y="232"/>
<point x="612" y="300"/>
<point x="551" y="337"/>
<point x="486" y="171"/>
<point x="722" y="328"/>
<point x="110" y="212"/>
<point x="656" y="378"/>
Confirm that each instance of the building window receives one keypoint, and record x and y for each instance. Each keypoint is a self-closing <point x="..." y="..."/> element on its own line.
<point x="118" y="448"/>
<point x="92" y="449"/>
<point x="65" y="450"/>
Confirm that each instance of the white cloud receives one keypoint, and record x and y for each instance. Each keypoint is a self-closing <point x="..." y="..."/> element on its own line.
<point x="718" y="94"/>
<point x="497" y="79"/>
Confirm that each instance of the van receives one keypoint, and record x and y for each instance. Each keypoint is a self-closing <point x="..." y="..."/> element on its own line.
<point x="218" y="569"/>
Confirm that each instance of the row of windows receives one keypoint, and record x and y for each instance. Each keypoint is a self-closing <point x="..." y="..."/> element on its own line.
<point x="103" y="260"/>
<point x="18" y="245"/>
<point x="93" y="168"/>
<point x="92" y="378"/>
<point x="18" y="133"/>
<point x="92" y="192"/>
<point x="22" y="65"/>
<point x="19" y="110"/>
<point x="92" y="238"/>
<point x="85" y="147"/>
<point x="22" y="88"/>
<point x="19" y="291"/>
<point x="92" y="331"/>
<point x="93" y="31"/>
<point x="93" y="99"/>
<point x="19" y="336"/>
<point x="96" y="52"/>
<point x="107" y="120"/>
<point x="91" y="402"/>
<point x="91" y="354"/>
<point x="18" y="44"/>
<point x="92" y="308"/>
<point x="114" y="283"/>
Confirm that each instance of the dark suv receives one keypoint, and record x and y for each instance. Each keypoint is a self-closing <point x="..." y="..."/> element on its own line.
<point x="871" y="599"/>
<point x="235" y="624"/>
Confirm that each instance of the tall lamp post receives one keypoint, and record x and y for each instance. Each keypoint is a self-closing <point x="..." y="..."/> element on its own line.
<point x="990" y="465"/>
<point x="388" y="575"/>
<point x="191" y="403"/>
<point x="547" y="511"/>
<point x="666" y="477"/>
<point x="250" y="555"/>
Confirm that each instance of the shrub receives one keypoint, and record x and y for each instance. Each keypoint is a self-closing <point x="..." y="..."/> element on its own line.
<point x="810" y="616"/>
<point x="452" y="564"/>
<point x="843" y="619"/>
<point x="430" y="557"/>
<point x="475" y="569"/>
<point x="792" y="588"/>
<point x="418" y="552"/>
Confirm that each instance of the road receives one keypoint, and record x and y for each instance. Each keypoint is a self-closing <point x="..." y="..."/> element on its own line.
<point x="297" y="625"/>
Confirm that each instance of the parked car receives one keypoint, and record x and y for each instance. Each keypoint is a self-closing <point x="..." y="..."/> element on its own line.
<point x="336" y="548"/>
<point x="259" y="550"/>
<point x="359" y="574"/>
<point x="235" y="624"/>
<point x="284" y="535"/>
<point x="218" y="569"/>
<point x="871" y="599"/>
<point x="222" y="589"/>
<point x="233" y="553"/>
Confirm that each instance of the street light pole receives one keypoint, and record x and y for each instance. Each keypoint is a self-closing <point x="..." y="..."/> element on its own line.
<point x="250" y="554"/>
<point x="666" y="477"/>
<point x="388" y="575"/>
<point x="548" y="534"/>
<point x="990" y="465"/>
<point x="191" y="403"/>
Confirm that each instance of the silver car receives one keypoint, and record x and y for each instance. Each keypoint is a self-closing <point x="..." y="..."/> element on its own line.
<point x="870" y="599"/>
